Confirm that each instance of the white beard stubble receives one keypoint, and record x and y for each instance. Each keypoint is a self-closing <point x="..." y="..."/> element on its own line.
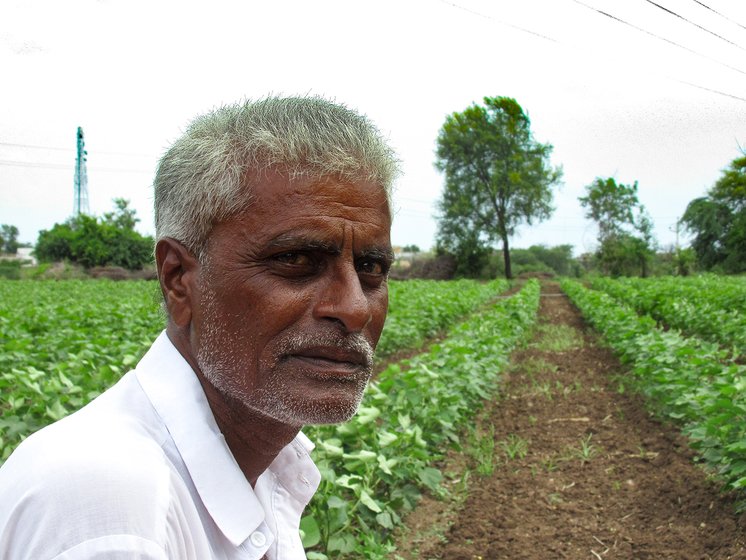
<point x="221" y="364"/>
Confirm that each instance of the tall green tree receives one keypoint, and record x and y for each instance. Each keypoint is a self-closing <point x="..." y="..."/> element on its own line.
<point x="625" y="230"/>
<point x="497" y="177"/>
<point x="9" y="239"/>
<point x="718" y="221"/>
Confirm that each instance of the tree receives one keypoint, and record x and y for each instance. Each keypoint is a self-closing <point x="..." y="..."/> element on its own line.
<point x="9" y="239"/>
<point x="559" y="258"/>
<point x="123" y="217"/>
<point x="625" y="230"/>
<point x="718" y="221"/>
<point x="497" y="177"/>
<point x="90" y="242"/>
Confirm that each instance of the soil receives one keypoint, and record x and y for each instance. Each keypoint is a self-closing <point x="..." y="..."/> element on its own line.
<point x="594" y="475"/>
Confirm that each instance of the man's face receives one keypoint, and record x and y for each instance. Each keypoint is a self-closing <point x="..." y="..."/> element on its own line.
<point x="293" y="298"/>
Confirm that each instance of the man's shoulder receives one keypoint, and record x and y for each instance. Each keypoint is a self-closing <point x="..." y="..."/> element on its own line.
<point x="101" y="471"/>
<point x="114" y="438"/>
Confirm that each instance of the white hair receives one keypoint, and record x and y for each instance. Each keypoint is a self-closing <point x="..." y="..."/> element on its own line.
<point x="202" y="178"/>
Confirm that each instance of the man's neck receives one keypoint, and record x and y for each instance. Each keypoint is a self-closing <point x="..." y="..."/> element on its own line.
<point x="254" y="439"/>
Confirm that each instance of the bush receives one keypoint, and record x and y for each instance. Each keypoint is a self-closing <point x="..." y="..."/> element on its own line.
<point x="90" y="242"/>
<point x="10" y="269"/>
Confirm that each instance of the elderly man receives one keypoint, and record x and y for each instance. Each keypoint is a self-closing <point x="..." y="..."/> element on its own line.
<point x="272" y="251"/>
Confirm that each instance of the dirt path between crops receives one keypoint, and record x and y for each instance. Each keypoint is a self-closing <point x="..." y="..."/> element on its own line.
<point x="594" y="476"/>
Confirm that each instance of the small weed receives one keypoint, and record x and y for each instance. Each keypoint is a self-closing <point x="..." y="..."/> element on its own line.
<point x="514" y="447"/>
<point x="544" y="389"/>
<point x="565" y="390"/>
<point x="482" y="449"/>
<point x="538" y="365"/>
<point x="587" y="450"/>
<point x="550" y="464"/>
<point x="554" y="498"/>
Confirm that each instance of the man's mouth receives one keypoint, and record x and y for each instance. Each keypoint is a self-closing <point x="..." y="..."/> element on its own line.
<point x="333" y="359"/>
<point x="329" y="356"/>
<point x="332" y="362"/>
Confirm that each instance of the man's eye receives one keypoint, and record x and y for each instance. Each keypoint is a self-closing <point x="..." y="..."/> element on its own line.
<point x="369" y="266"/>
<point x="294" y="259"/>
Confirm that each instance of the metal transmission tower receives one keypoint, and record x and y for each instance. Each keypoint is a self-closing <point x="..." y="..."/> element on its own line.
<point x="80" y="204"/>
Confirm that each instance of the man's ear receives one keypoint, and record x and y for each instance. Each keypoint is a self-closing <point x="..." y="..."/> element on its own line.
<point x="177" y="273"/>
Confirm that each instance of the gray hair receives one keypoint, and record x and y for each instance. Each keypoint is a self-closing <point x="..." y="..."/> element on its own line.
<point x="201" y="180"/>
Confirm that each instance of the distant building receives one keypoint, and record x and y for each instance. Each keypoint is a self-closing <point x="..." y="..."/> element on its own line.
<point x="24" y="255"/>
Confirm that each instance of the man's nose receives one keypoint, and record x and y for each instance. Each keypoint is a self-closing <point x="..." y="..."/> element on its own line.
<point x="344" y="300"/>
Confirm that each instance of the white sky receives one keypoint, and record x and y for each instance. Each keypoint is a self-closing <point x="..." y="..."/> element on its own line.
<point x="610" y="98"/>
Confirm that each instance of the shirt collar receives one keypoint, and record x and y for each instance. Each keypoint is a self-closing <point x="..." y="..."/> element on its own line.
<point x="175" y="392"/>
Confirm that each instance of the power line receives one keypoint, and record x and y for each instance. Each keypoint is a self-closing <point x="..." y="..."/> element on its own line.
<point x="711" y="90"/>
<point x="36" y="147"/>
<point x="673" y="43"/>
<point x="69" y="167"/>
<point x="658" y="36"/>
<point x="694" y="24"/>
<point x="519" y="28"/>
<point x="726" y="18"/>
<point x="70" y="150"/>
<point x="33" y="164"/>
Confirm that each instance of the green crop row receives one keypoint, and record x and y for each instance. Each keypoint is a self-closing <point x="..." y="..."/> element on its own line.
<point x="717" y="292"/>
<point x="62" y="343"/>
<point x="710" y="307"/>
<point x="690" y="381"/>
<point x="375" y="466"/>
<point x="420" y="309"/>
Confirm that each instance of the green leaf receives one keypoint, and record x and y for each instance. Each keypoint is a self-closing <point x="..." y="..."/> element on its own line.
<point x="386" y="438"/>
<point x="343" y="544"/>
<point x="430" y="477"/>
<point x="367" y="414"/>
<point x="309" y="530"/>
<point x="362" y="455"/>
<point x="384" y="520"/>
<point x="349" y="481"/>
<point x="369" y="502"/>
<point x="336" y="502"/>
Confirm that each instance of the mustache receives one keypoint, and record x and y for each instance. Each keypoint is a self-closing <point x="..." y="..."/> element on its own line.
<point x="354" y="343"/>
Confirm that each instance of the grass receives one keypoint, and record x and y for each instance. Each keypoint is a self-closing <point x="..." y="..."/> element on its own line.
<point x="534" y="366"/>
<point x="514" y="447"/>
<point x="557" y="338"/>
<point x="585" y="451"/>
<point x="482" y="449"/>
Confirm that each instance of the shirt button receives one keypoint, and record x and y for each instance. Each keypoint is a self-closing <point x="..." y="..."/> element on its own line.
<point x="258" y="539"/>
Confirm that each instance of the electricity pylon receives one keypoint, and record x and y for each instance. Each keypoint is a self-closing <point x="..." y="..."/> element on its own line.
<point x="80" y="203"/>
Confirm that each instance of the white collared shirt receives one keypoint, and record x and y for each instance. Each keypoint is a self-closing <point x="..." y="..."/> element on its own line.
<point x="144" y="473"/>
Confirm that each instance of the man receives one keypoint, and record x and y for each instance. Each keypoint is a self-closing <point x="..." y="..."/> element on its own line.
<point x="272" y="226"/>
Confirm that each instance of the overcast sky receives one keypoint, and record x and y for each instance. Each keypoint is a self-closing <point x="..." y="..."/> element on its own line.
<point x="620" y="88"/>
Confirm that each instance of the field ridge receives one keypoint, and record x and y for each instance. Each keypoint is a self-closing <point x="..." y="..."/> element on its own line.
<point x="581" y="470"/>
